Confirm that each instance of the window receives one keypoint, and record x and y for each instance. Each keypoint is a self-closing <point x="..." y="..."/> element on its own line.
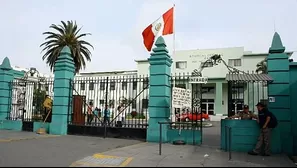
<point x="145" y="83"/>
<point x="134" y="104"/>
<point x="208" y="90"/>
<point x="207" y="64"/>
<point x="102" y="86"/>
<point x="181" y="65"/>
<point x="237" y="105"/>
<point x="144" y="103"/>
<point x="112" y="85"/>
<point x="234" y="62"/>
<point x="101" y="102"/>
<point x="91" y="86"/>
<point x="134" y="85"/>
<point x="181" y="86"/>
<point x="124" y="85"/>
<point x="111" y="103"/>
<point x="82" y="86"/>
<point x="237" y="90"/>
<point x="207" y="100"/>
<point x="46" y="87"/>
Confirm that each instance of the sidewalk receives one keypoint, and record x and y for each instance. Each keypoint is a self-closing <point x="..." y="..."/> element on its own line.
<point x="9" y="136"/>
<point x="147" y="155"/>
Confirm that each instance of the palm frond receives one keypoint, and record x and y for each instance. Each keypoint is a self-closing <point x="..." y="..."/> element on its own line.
<point x="66" y="34"/>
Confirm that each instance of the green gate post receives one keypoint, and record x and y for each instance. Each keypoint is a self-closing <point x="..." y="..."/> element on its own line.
<point x="279" y="95"/>
<point x="293" y="96"/>
<point x="159" y="91"/>
<point x="6" y="77"/>
<point x="64" y="72"/>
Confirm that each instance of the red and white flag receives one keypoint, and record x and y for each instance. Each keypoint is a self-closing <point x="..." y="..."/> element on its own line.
<point x="162" y="26"/>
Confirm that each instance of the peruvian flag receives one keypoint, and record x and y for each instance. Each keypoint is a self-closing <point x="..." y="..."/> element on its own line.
<point x="162" y="26"/>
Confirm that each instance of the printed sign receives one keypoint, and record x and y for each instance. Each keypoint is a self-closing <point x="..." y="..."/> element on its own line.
<point x="181" y="97"/>
<point x="272" y="99"/>
<point x="198" y="80"/>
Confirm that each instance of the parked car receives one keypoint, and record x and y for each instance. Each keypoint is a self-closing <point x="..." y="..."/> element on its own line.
<point x="192" y="117"/>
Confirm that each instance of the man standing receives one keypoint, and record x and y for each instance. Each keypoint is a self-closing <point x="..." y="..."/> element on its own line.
<point x="90" y="113"/>
<point x="246" y="114"/>
<point x="267" y="122"/>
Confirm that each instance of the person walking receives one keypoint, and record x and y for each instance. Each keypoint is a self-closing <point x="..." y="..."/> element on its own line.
<point x="106" y="115"/>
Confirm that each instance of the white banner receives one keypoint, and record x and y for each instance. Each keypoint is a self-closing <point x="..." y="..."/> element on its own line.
<point x="181" y="97"/>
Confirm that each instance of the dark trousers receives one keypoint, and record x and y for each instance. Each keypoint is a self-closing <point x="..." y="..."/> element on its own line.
<point x="49" y="118"/>
<point x="89" y="118"/>
<point x="263" y="139"/>
<point x="106" y="120"/>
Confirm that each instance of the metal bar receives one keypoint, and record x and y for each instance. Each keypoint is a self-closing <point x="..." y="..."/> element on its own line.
<point x="200" y="109"/>
<point x="193" y="131"/>
<point x="105" y="130"/>
<point x="69" y="101"/>
<point x="160" y="140"/>
<point x="230" y="142"/>
<point x="226" y="138"/>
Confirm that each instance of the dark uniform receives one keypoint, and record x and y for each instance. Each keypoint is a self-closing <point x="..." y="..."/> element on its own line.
<point x="244" y="115"/>
<point x="265" y="133"/>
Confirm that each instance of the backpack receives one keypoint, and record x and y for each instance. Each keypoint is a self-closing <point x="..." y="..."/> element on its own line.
<point x="273" y="121"/>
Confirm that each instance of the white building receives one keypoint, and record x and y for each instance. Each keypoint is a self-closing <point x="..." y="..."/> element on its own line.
<point x="129" y="85"/>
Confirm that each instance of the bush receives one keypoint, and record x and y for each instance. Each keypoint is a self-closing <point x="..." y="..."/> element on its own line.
<point x="37" y="118"/>
<point x="133" y="114"/>
<point x="137" y="116"/>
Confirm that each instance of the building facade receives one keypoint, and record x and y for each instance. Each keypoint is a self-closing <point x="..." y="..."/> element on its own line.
<point x="131" y="87"/>
<point x="215" y="91"/>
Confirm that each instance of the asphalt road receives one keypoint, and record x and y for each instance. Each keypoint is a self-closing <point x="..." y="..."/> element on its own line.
<point x="211" y="135"/>
<point x="52" y="151"/>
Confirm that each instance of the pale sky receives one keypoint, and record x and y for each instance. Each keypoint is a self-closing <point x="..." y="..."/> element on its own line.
<point x="116" y="27"/>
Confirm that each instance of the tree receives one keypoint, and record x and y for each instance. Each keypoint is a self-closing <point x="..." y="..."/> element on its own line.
<point x="262" y="67"/>
<point x="38" y="98"/>
<point x="66" y="34"/>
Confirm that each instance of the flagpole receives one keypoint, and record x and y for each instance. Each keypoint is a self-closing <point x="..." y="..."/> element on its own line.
<point x="173" y="52"/>
<point x="173" y="118"/>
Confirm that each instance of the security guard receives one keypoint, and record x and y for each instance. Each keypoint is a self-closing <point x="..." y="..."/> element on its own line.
<point x="245" y="114"/>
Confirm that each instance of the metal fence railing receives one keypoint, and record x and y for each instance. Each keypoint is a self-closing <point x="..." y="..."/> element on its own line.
<point x="27" y="99"/>
<point x="117" y="101"/>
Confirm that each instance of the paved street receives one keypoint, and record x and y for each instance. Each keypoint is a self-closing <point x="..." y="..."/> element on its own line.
<point x="146" y="155"/>
<point x="211" y="135"/>
<point x="29" y="149"/>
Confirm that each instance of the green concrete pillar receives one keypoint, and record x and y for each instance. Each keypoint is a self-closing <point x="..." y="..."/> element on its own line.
<point x="64" y="73"/>
<point x="159" y="91"/>
<point x="293" y="96"/>
<point x="219" y="99"/>
<point x="279" y="90"/>
<point x="6" y="77"/>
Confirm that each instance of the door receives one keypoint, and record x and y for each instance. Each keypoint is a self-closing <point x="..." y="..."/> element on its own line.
<point x="207" y="106"/>
<point x="78" y="110"/>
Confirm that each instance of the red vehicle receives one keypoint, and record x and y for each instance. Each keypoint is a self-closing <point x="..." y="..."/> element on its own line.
<point x="192" y="117"/>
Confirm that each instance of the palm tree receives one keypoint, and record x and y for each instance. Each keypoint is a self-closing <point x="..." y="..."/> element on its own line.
<point x="66" y="34"/>
<point x="262" y="66"/>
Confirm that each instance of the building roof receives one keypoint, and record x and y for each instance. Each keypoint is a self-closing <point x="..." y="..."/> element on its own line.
<point x="249" y="77"/>
<point x="129" y="72"/>
<point x="289" y="53"/>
